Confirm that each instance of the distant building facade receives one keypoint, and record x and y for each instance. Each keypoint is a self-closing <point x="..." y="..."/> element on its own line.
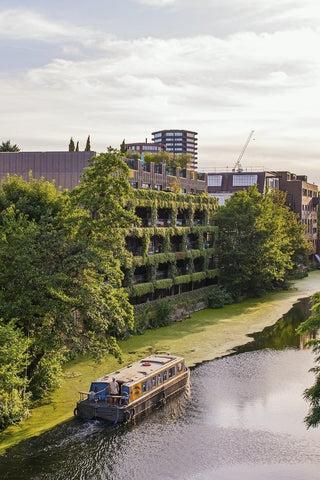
<point x="303" y="199"/>
<point x="223" y="185"/>
<point x="179" y="141"/>
<point x="64" y="168"/>
<point x="159" y="176"/>
<point x="144" y="147"/>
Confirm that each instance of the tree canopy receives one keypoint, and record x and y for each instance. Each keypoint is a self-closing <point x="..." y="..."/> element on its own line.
<point x="312" y="394"/>
<point x="7" y="146"/>
<point x="60" y="278"/>
<point x="259" y="242"/>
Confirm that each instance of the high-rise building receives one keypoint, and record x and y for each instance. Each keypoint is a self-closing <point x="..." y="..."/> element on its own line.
<point x="179" y="141"/>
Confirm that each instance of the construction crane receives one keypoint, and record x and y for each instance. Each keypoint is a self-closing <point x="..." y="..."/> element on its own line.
<point x="238" y="167"/>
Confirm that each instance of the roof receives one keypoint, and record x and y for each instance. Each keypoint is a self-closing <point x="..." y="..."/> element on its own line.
<point x="144" y="368"/>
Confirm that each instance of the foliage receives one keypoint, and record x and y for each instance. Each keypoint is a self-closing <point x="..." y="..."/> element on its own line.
<point x="123" y="148"/>
<point x="312" y="394"/>
<point x="219" y="297"/>
<point x="77" y="147"/>
<point x="71" y="145"/>
<point x="60" y="274"/>
<point x="180" y="305"/>
<point x="259" y="241"/>
<point x="163" y="314"/>
<point x="13" y="383"/>
<point x="8" y="147"/>
<point x="88" y="145"/>
<point x="170" y="159"/>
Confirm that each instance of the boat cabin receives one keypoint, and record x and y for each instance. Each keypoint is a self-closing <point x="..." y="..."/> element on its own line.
<point x="138" y="379"/>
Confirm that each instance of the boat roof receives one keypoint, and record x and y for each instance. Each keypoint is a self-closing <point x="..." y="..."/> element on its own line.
<point x="142" y="369"/>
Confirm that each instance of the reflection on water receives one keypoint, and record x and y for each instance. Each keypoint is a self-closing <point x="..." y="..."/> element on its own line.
<point x="243" y="419"/>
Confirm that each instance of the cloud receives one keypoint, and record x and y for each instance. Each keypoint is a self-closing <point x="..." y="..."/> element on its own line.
<point x="22" y="24"/>
<point x="157" y="3"/>
<point x="221" y="87"/>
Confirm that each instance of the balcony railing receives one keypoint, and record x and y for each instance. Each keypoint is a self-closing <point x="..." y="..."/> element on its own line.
<point x="181" y="222"/>
<point x="163" y="222"/>
<point x="161" y="274"/>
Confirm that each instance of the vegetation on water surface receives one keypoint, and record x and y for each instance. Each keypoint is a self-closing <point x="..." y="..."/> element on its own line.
<point x="312" y="394"/>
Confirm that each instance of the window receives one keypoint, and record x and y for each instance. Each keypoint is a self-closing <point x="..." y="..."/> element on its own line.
<point x="172" y="372"/>
<point x="178" y="134"/>
<point x="154" y="381"/>
<point x="165" y="375"/>
<point x="159" y="378"/>
<point x="144" y="387"/>
<point x="214" y="180"/>
<point x="244" y="180"/>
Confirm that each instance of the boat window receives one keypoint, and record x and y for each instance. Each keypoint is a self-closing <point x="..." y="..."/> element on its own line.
<point x="165" y="375"/>
<point x="154" y="381"/>
<point x="172" y="371"/>
<point x="144" y="387"/>
<point x="159" y="378"/>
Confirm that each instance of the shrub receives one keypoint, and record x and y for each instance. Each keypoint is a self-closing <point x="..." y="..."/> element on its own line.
<point x="163" y="314"/>
<point x="219" y="297"/>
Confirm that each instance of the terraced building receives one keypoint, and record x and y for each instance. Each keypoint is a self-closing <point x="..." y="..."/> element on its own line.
<point x="172" y="251"/>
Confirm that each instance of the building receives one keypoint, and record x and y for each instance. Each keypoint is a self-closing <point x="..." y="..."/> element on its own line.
<point x="143" y="147"/>
<point x="64" y="168"/>
<point x="179" y="141"/>
<point x="159" y="176"/>
<point x="303" y="199"/>
<point x="172" y="251"/>
<point x="223" y="185"/>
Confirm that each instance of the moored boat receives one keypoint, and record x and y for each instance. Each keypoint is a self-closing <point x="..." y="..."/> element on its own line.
<point x="133" y="390"/>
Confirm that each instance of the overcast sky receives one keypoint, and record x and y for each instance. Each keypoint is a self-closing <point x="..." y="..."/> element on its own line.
<point x="123" y="68"/>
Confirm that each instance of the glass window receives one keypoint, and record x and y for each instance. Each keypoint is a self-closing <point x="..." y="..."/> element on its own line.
<point x="244" y="180"/>
<point x="159" y="378"/>
<point x="144" y="387"/>
<point x="165" y="375"/>
<point x="214" y="180"/>
<point x="172" y="372"/>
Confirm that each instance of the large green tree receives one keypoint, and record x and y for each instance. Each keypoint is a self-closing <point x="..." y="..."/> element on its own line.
<point x="9" y="147"/>
<point x="259" y="241"/>
<point x="60" y="256"/>
<point x="312" y="394"/>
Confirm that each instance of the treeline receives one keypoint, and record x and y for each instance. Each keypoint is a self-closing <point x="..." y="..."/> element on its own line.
<point x="60" y="276"/>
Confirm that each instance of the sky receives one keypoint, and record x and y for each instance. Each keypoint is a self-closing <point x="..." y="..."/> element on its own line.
<point x="119" y="69"/>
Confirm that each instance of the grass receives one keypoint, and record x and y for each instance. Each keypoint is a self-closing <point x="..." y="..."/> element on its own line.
<point x="204" y="336"/>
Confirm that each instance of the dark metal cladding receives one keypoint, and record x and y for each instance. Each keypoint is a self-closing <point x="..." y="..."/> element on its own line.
<point x="64" y="168"/>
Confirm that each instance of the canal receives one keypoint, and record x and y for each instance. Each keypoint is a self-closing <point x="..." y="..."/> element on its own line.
<point x="242" y="418"/>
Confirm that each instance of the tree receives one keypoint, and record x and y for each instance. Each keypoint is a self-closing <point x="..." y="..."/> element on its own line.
<point x="77" y="147"/>
<point x="259" y="241"/>
<point x="71" y="145"/>
<point x="13" y="382"/>
<point x="8" y="147"/>
<point x="123" y="147"/>
<point x="312" y="394"/>
<point x="88" y="145"/>
<point x="60" y="276"/>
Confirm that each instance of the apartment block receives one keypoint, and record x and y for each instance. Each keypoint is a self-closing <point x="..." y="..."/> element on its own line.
<point x="172" y="251"/>
<point x="303" y="199"/>
<point x="179" y="141"/>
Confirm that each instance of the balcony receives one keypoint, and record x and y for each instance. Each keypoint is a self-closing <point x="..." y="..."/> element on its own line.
<point x="160" y="274"/>
<point x="139" y="278"/>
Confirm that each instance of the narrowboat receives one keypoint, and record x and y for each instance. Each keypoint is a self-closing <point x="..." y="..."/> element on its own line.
<point x="139" y="387"/>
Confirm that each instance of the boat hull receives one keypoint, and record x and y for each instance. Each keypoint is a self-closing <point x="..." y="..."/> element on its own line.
<point x="90" y="410"/>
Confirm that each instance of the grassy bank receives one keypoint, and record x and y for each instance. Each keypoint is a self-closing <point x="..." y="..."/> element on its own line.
<point x="204" y="336"/>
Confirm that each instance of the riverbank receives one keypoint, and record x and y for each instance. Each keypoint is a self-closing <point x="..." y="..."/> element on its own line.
<point x="206" y="335"/>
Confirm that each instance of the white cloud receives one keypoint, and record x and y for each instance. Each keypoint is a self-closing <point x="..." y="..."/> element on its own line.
<point x="222" y="88"/>
<point x="21" y="24"/>
<point x="157" y="3"/>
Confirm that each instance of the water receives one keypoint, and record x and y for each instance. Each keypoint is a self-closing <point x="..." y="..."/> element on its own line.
<point x="242" y="419"/>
